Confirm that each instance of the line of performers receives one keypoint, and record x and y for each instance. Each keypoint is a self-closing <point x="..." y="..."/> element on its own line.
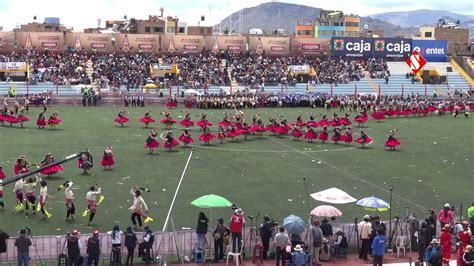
<point x="18" y="116"/>
<point x="232" y="127"/>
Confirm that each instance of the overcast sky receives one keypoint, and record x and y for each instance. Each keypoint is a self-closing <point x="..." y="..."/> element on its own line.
<point x="84" y="13"/>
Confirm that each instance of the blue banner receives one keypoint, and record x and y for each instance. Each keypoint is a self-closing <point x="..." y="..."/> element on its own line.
<point x="395" y="48"/>
<point x="432" y="51"/>
<point x="351" y="47"/>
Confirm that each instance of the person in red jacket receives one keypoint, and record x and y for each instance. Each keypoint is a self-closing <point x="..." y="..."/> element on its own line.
<point x="445" y="240"/>
<point x="237" y="223"/>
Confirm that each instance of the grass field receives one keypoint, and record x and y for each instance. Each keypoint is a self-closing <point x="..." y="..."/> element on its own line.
<point x="433" y="166"/>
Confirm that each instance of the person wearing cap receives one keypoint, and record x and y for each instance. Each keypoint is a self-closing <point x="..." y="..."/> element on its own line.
<point x="378" y="248"/>
<point x="130" y="243"/>
<point x="445" y="240"/>
<point x="22" y="244"/>
<point x="414" y="225"/>
<point x="74" y="245"/>
<point x="468" y="256"/>
<point x="365" y="229"/>
<point x="446" y="215"/>
<point x="317" y="235"/>
<point x="433" y="255"/>
<point x="299" y="257"/>
<point x="237" y="222"/>
<point x="470" y="216"/>
<point x="219" y="234"/>
<point x="431" y="222"/>
<point x="146" y="245"/>
<point x="93" y="249"/>
<point x="265" y="235"/>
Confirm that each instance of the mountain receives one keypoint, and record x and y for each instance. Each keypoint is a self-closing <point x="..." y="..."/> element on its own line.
<point x="276" y="15"/>
<point x="269" y="17"/>
<point x="420" y="17"/>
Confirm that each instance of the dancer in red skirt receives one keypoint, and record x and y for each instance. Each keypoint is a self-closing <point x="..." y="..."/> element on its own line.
<point x="337" y="136"/>
<point x="206" y="136"/>
<point x="171" y="103"/>
<point x="170" y="142"/>
<point x="378" y="114"/>
<point x="311" y="134"/>
<point x="151" y="142"/>
<point x="4" y="113"/>
<point x="221" y="134"/>
<point x="10" y="118"/>
<point x="186" y="138"/>
<point x="296" y="132"/>
<point x="392" y="141"/>
<point x="21" y="165"/>
<point x="108" y="158"/>
<point x="335" y="121"/>
<point x="41" y="121"/>
<point x="345" y="120"/>
<point x="225" y="121"/>
<point x="168" y="121"/>
<point x="2" y="176"/>
<point x="186" y="122"/>
<point x="85" y="161"/>
<point x="311" y="122"/>
<point x="203" y="122"/>
<point x="364" y="139"/>
<point x="49" y="159"/>
<point x="233" y="133"/>
<point x="347" y="137"/>
<point x="361" y="118"/>
<point x="121" y="118"/>
<point x="21" y="117"/>
<point x="147" y="119"/>
<point x="323" y="122"/>
<point x="323" y="135"/>
<point x="54" y="120"/>
<point x="299" y="122"/>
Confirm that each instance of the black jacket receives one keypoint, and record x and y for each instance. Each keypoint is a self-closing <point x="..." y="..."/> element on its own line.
<point x="3" y="241"/>
<point x="202" y="226"/>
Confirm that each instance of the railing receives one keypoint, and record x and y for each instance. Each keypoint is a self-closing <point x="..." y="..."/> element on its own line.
<point x="462" y="72"/>
<point x="48" y="248"/>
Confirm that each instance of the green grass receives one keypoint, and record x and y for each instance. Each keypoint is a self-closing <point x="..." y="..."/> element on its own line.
<point x="433" y="166"/>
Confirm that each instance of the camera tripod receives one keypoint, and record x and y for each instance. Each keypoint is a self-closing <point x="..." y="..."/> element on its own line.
<point x="354" y="232"/>
<point x="252" y="236"/>
<point x="34" y="245"/>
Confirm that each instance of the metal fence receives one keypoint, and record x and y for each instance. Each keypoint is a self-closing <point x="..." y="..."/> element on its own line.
<point x="48" y="248"/>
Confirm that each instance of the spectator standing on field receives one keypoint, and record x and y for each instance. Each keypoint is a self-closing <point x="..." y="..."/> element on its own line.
<point x="281" y="240"/>
<point x="74" y="246"/>
<point x="446" y="216"/>
<point x="201" y="230"/>
<point x="365" y="228"/>
<point x="93" y="249"/>
<point x="131" y="242"/>
<point x="22" y="244"/>
<point x="3" y="243"/>
<point x="378" y="248"/>
<point x="317" y="241"/>
<point x="237" y="222"/>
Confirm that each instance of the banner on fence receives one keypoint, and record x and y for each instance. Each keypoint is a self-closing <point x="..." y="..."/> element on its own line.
<point x="397" y="48"/>
<point x="432" y="51"/>
<point x="182" y="44"/>
<point x="90" y="42"/>
<point x="231" y="44"/>
<point x="136" y="43"/>
<point x="309" y="46"/>
<point x="39" y="41"/>
<point x="270" y="46"/>
<point x="351" y="47"/>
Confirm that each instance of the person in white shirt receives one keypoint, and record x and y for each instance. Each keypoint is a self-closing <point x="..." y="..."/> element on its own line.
<point x="18" y="190"/>
<point x="91" y="198"/>
<point x="30" y="189"/>
<point x="138" y="209"/>
<point x="116" y="236"/>
<point x="365" y="229"/>
<point x="69" y="199"/>
<point x="42" y="198"/>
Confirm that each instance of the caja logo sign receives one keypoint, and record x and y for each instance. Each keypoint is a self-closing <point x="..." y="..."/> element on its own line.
<point x="338" y="44"/>
<point x="379" y="45"/>
<point x="352" y="47"/>
<point x="392" y="47"/>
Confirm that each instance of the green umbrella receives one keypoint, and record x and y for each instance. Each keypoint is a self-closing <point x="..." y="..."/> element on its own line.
<point x="211" y="201"/>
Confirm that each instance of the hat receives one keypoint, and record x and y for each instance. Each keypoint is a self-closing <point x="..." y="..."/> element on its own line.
<point x="325" y="240"/>
<point x="95" y="233"/>
<point x="446" y="205"/>
<point x="23" y="231"/>
<point x="366" y="217"/>
<point x="298" y="248"/>
<point x="468" y="247"/>
<point x="434" y="241"/>
<point x="337" y="230"/>
<point x="220" y="220"/>
<point x="238" y="211"/>
<point x="75" y="232"/>
<point x="447" y="226"/>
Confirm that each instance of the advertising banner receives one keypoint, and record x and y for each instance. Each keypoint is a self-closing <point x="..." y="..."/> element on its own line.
<point x="351" y="47"/>
<point x="135" y="43"/>
<point x="309" y="46"/>
<point x="432" y="51"/>
<point x="98" y="42"/>
<point x="231" y="44"/>
<point x="181" y="44"/>
<point x="13" y="67"/>
<point x="7" y="40"/>
<point x="300" y="69"/>
<point x="39" y="41"/>
<point x="269" y="45"/>
<point x="393" y="48"/>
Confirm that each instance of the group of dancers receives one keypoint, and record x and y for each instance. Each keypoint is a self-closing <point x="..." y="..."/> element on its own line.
<point x="234" y="126"/>
<point x="17" y="115"/>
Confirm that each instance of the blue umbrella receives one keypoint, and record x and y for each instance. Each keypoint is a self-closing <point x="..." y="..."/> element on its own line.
<point x="373" y="204"/>
<point x="294" y="224"/>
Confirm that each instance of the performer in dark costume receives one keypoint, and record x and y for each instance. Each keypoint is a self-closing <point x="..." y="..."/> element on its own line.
<point x="151" y="142"/>
<point x="85" y="162"/>
<point x="170" y="142"/>
<point x="49" y="159"/>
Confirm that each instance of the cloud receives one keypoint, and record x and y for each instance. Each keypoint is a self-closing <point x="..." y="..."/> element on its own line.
<point x="85" y="13"/>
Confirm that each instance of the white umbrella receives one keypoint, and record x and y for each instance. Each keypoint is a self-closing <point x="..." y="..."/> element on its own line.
<point x="191" y="91"/>
<point x="326" y="211"/>
<point x="333" y="195"/>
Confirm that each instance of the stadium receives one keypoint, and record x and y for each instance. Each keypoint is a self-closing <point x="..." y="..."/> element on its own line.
<point x="210" y="143"/>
